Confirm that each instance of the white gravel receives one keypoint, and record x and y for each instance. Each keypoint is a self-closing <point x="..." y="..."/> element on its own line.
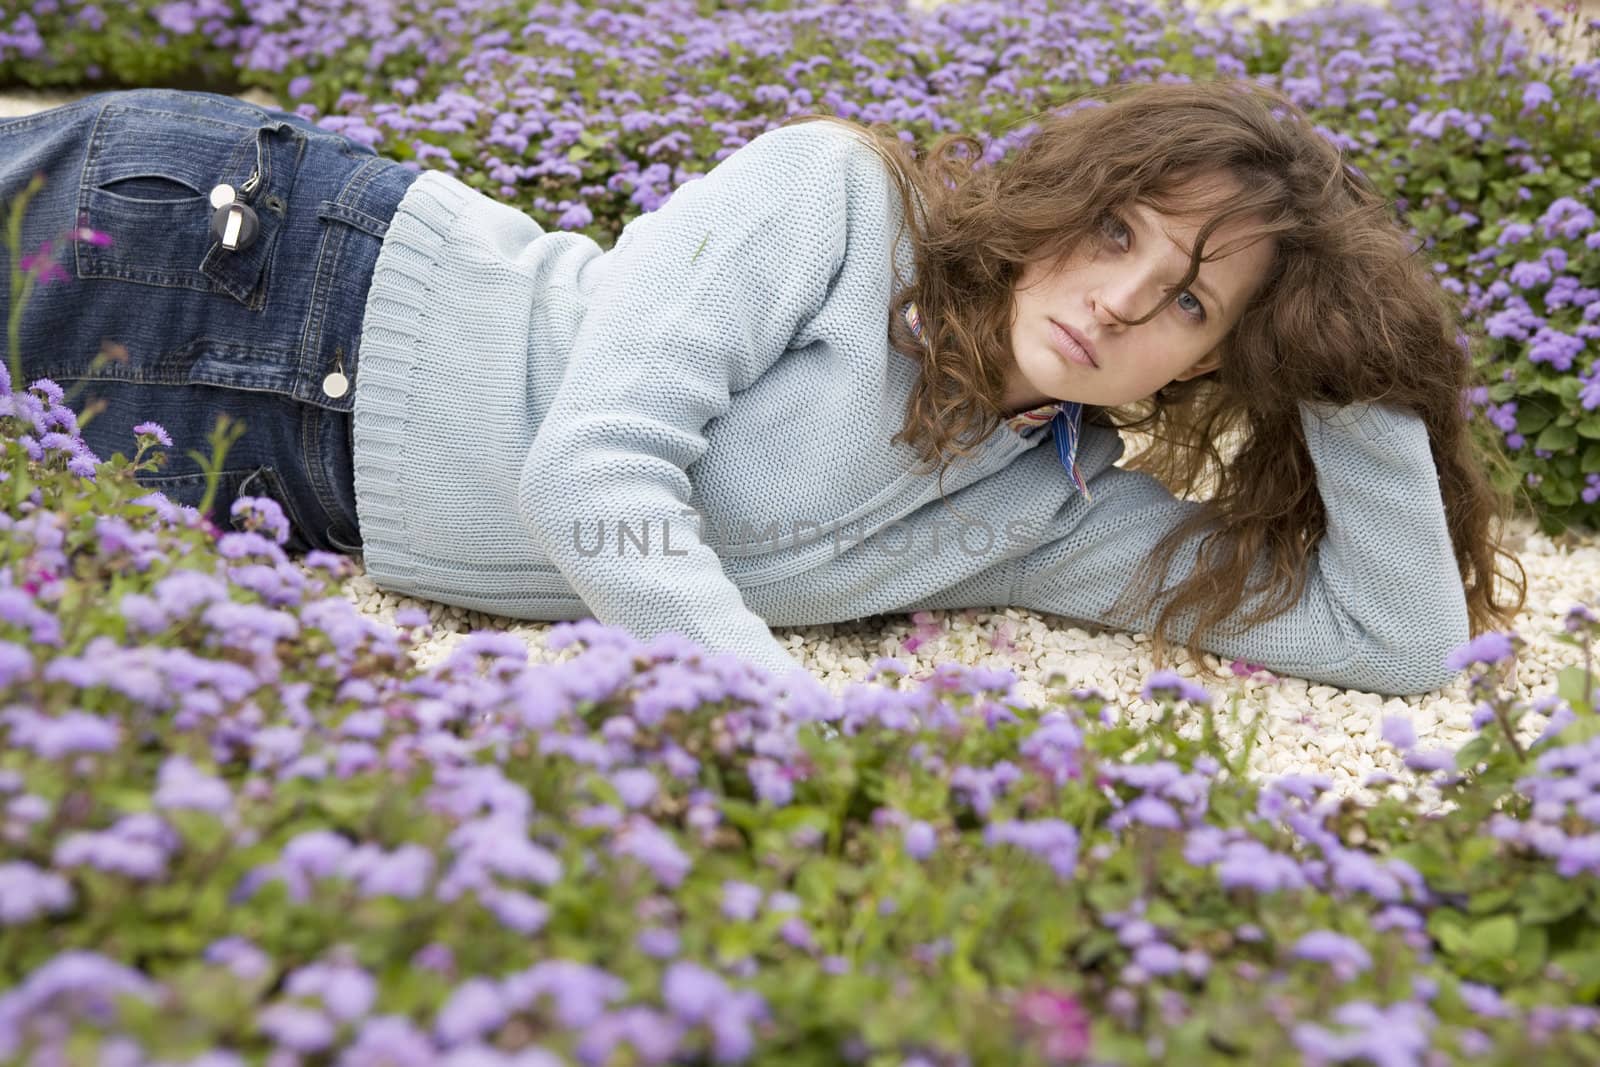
<point x="1307" y="728"/>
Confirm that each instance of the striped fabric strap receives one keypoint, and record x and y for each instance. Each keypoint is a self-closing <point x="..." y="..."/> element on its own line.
<point x="1065" y="425"/>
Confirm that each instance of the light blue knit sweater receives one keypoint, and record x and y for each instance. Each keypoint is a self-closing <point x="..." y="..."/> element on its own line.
<point x="691" y="431"/>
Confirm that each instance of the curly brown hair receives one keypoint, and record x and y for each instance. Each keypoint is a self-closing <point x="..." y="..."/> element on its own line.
<point x="1363" y="316"/>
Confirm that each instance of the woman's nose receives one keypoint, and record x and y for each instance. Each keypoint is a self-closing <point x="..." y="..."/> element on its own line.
<point x="1127" y="295"/>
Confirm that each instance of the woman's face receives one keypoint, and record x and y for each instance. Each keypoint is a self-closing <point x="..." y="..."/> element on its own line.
<point x="1126" y="269"/>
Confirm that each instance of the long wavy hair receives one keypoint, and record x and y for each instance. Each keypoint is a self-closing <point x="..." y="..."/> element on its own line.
<point x="1348" y="312"/>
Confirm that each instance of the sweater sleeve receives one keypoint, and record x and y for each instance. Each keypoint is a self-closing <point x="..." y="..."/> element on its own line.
<point x="699" y="298"/>
<point x="1383" y="604"/>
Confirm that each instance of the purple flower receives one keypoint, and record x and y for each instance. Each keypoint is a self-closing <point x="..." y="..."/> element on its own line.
<point x="1175" y="685"/>
<point x="1534" y="94"/>
<point x="1488" y="649"/>
<point x="795" y="932"/>
<point x="500" y="844"/>
<point x="658" y="942"/>
<point x="1579" y="856"/>
<point x="1357" y="871"/>
<point x="691" y="992"/>
<point x="16" y="664"/>
<point x="1052" y="840"/>
<point x="1485" y="1001"/>
<point x="646" y="842"/>
<point x="390" y="1041"/>
<point x="113" y="851"/>
<point x="154" y="429"/>
<point x="1346" y="955"/>
<point x="1430" y="760"/>
<point x="1251" y="865"/>
<point x="516" y="910"/>
<point x="1158" y="958"/>
<point x="1514" y="233"/>
<point x="77" y="982"/>
<point x="1399" y="732"/>
<point x="636" y="785"/>
<point x="653" y="1036"/>
<point x="297" y="1028"/>
<point x="180" y="785"/>
<point x="1152" y="811"/>
<point x="740" y="900"/>
<point x="27" y="892"/>
<point x="55" y="737"/>
<point x="695" y="995"/>
<point x="348" y="992"/>
<point x="477" y="1007"/>
<point x="240" y="956"/>
<point x="771" y="781"/>
<point x="403" y="873"/>
<point x="1530" y="275"/>
<point x="920" y="839"/>
<point x="580" y="991"/>
<point x="318" y="853"/>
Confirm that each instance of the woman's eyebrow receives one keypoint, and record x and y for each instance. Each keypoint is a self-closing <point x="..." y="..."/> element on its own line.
<point x="1199" y="283"/>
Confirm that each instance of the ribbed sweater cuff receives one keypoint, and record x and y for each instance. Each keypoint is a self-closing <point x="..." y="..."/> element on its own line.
<point x="394" y="325"/>
<point x="1367" y="419"/>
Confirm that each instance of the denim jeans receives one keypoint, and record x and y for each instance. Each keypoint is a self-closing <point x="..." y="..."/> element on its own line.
<point x="198" y="330"/>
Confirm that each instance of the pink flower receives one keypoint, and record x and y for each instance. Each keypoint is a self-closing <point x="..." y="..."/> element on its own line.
<point x="1062" y="1024"/>
<point x="1242" y="669"/>
<point x="927" y="629"/>
<point x="43" y="265"/>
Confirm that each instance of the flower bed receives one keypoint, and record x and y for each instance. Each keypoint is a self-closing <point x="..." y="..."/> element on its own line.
<point x="242" y="825"/>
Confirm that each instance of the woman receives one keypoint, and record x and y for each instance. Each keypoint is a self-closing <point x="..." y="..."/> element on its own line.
<point x="732" y="419"/>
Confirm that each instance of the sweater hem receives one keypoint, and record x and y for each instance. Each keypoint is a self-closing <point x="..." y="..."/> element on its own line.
<point x="394" y="325"/>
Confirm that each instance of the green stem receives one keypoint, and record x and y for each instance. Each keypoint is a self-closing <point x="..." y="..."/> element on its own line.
<point x="19" y="287"/>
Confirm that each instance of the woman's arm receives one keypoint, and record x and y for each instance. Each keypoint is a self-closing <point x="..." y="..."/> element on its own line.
<point x="1383" y="603"/>
<point x="699" y="299"/>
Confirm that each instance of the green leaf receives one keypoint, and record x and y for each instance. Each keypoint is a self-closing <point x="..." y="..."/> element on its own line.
<point x="1473" y="752"/>
<point x="1581" y="730"/>
<point x="1548" y="898"/>
<point x="1579" y="163"/>
<point x="1531" y="418"/>
<point x="1584" y="966"/>
<point x="1533" y="945"/>
<point x="1094" y="946"/>
<point x="1556" y="438"/>
<point x="1109" y="896"/>
<point x="1432" y="864"/>
<point x="1491" y="900"/>
<point x="1465" y="174"/>
<point x="1571" y="684"/>
<point x="1494" y="938"/>
<point x="1447" y="928"/>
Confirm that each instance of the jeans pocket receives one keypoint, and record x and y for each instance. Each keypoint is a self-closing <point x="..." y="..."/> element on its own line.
<point x="147" y="179"/>
<point x="337" y="542"/>
<point x="190" y="490"/>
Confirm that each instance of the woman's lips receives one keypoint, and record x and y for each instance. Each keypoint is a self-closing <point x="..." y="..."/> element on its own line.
<point x="1068" y="348"/>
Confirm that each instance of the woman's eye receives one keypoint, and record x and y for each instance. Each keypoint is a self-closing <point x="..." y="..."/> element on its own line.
<point x="1114" y="225"/>
<point x="1114" y="228"/>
